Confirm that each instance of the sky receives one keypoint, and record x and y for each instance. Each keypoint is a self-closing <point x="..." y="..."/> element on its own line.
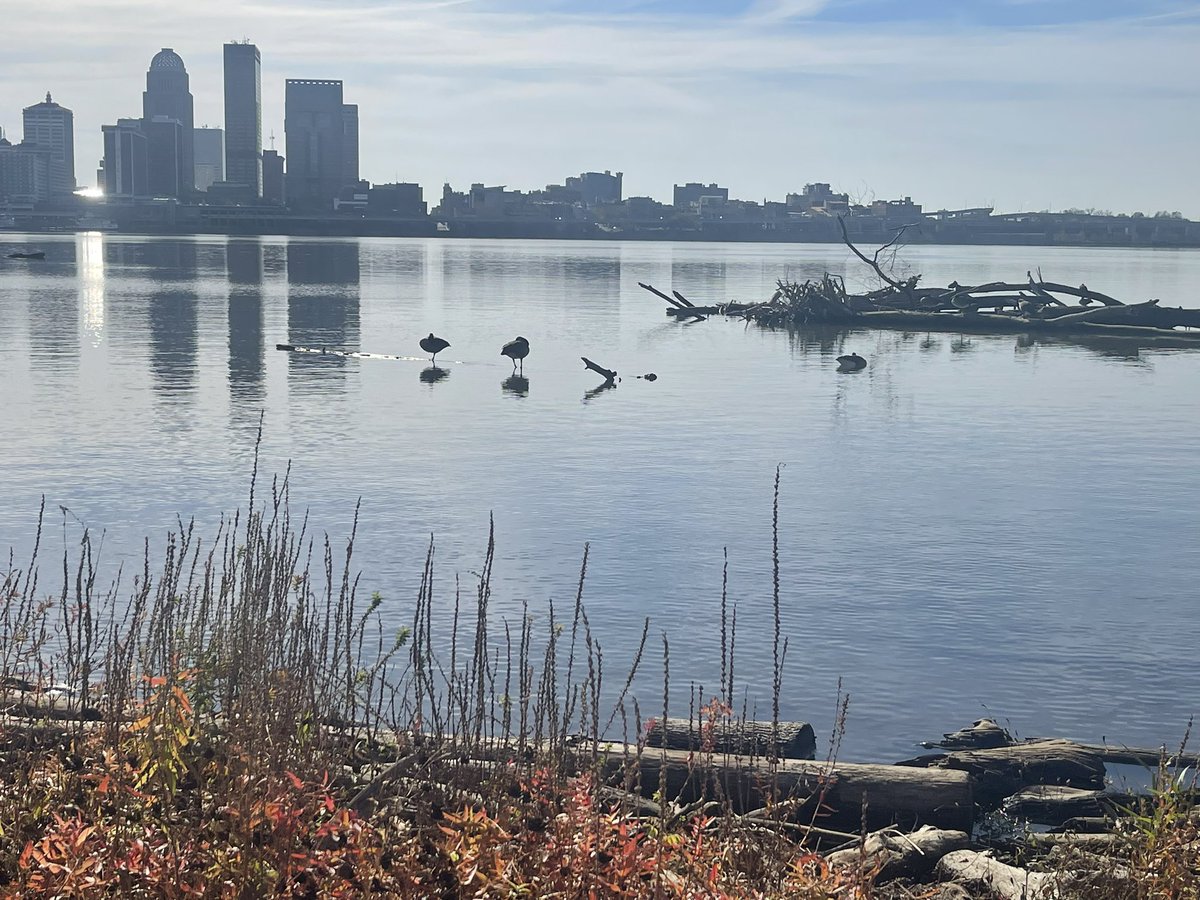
<point x="1016" y="104"/>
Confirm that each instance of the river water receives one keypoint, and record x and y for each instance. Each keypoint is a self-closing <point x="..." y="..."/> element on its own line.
<point x="974" y="525"/>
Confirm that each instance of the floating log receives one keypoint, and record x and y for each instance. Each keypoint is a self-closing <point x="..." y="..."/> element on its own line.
<point x="609" y="374"/>
<point x="347" y="354"/>
<point x="794" y="740"/>
<point x="891" y="854"/>
<point x="894" y="795"/>
<point x="981" y="871"/>
<point x="1002" y="771"/>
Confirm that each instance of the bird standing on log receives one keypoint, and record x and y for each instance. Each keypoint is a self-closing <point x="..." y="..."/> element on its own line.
<point x="516" y="350"/>
<point x="433" y="345"/>
<point x="851" y="363"/>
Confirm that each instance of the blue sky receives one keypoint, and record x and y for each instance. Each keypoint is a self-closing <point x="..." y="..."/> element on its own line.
<point x="1021" y="104"/>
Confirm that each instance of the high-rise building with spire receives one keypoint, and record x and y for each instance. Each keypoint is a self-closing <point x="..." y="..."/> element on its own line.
<point x="167" y="96"/>
<point x="243" y="116"/>
<point x="52" y="127"/>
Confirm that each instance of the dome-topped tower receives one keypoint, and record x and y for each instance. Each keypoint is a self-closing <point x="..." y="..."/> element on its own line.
<point x="168" y="97"/>
<point x="166" y="58"/>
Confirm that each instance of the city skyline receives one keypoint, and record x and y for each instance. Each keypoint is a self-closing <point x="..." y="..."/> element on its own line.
<point x="1020" y="105"/>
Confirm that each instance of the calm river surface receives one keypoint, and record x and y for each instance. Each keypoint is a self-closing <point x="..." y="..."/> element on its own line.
<point x="973" y="525"/>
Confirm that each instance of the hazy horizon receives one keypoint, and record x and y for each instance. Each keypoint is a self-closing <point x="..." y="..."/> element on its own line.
<point x="1017" y="104"/>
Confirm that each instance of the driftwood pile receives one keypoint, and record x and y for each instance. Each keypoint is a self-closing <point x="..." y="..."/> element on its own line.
<point x="1033" y="305"/>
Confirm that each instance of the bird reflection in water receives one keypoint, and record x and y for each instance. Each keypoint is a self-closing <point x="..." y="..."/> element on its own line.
<point x="433" y="374"/>
<point x="515" y="384"/>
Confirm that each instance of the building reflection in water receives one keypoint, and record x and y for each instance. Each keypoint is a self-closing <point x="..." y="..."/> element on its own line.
<point x="323" y="309"/>
<point x="244" y="271"/>
<point x="172" y="315"/>
<point x="53" y="314"/>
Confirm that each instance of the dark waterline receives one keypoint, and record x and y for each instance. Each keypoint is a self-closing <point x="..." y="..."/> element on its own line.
<point x="974" y="524"/>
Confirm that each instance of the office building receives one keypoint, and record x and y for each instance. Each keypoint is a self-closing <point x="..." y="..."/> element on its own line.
<point x="24" y="172"/>
<point x="243" y="116"/>
<point x="596" y="188"/>
<point x="209" y="147"/>
<point x="272" y="169"/>
<point x="164" y="157"/>
<point x="125" y="160"/>
<point x="167" y="97"/>
<point x="350" y="141"/>
<point x="52" y="127"/>
<point x="315" y="134"/>
<point x="691" y="196"/>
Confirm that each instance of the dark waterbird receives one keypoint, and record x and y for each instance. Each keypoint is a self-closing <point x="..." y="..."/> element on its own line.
<point x="516" y="350"/>
<point x="851" y="363"/>
<point x="32" y="254"/>
<point x="433" y="345"/>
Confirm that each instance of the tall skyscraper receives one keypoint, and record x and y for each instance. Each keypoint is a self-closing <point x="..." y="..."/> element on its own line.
<point x="52" y="126"/>
<point x="243" y="116"/>
<point x="350" y="141"/>
<point x="125" y="159"/>
<point x="164" y="150"/>
<point x="315" y="132"/>
<point x="167" y="96"/>
<point x="209" y="146"/>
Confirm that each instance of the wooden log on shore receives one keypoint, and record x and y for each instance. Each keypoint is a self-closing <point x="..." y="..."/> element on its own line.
<point x="1002" y="771"/>
<point x="794" y="740"/>
<point x="1054" y="804"/>
<point x="981" y="871"/>
<point x="892" y="854"/>
<point x="833" y="794"/>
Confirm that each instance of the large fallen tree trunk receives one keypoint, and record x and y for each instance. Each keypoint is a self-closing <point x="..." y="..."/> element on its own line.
<point x="1002" y="771"/>
<point x="832" y="795"/>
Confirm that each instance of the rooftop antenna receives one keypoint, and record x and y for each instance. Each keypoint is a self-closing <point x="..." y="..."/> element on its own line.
<point x="272" y="138"/>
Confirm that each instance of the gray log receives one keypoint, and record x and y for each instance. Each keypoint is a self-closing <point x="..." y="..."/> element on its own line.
<point x="980" y="871"/>
<point x="898" y="795"/>
<point x="796" y="740"/>
<point x="1052" y="804"/>
<point x="897" y="855"/>
<point x="1002" y="771"/>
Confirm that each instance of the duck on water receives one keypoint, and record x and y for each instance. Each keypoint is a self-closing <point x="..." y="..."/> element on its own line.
<point x="434" y="345"/>
<point x="516" y="350"/>
<point x="851" y="363"/>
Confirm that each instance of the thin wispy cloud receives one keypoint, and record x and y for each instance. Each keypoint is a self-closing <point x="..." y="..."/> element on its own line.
<point x="763" y="97"/>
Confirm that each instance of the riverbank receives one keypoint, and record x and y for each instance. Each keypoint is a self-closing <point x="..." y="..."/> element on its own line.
<point x="1018" y="229"/>
<point x="238" y="722"/>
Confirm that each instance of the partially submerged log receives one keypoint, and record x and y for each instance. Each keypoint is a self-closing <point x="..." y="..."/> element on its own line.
<point x="892" y="854"/>
<point x="792" y="740"/>
<point x="1002" y="771"/>
<point x="832" y="795"/>
<point x="609" y="374"/>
